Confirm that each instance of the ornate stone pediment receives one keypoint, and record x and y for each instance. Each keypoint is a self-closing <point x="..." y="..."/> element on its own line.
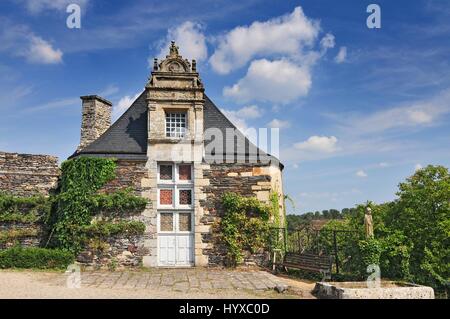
<point x="173" y="63"/>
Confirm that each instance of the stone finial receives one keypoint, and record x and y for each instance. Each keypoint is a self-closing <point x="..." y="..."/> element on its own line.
<point x="155" y="64"/>
<point x="173" y="51"/>
<point x="194" y="66"/>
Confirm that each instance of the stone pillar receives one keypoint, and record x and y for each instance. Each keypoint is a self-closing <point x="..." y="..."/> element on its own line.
<point x="95" y="120"/>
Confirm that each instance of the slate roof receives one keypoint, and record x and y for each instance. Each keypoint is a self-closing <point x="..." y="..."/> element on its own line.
<point x="127" y="137"/>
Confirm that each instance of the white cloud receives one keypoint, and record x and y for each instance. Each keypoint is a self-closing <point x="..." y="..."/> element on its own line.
<point x="279" y="81"/>
<point x="239" y="117"/>
<point x="109" y="90"/>
<point x="67" y="103"/>
<point x="413" y="114"/>
<point x="328" y="41"/>
<point x="38" y="6"/>
<point x="18" y="40"/>
<point x="276" y="123"/>
<point x="383" y="164"/>
<point x="418" y="167"/>
<point x="40" y="51"/>
<point x="318" y="144"/>
<point x="341" y="56"/>
<point x="361" y="174"/>
<point x="189" y="38"/>
<point x="287" y="34"/>
<point x="123" y="104"/>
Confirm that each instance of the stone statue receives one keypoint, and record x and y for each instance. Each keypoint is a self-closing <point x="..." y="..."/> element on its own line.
<point x="173" y="49"/>
<point x="368" y="223"/>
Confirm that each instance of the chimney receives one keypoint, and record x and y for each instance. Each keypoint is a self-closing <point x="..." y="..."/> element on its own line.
<point x="95" y="119"/>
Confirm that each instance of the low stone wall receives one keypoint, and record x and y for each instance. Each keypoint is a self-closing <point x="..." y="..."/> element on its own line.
<point x="25" y="234"/>
<point x="119" y="252"/>
<point x="362" y="290"/>
<point x="27" y="175"/>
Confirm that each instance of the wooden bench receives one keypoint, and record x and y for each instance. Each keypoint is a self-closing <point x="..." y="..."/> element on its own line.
<point x="307" y="261"/>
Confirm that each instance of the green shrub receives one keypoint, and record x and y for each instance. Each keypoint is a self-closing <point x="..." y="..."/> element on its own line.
<point x="245" y="226"/>
<point x="370" y="250"/>
<point x="23" y="209"/>
<point x="40" y="258"/>
<point x="107" y="229"/>
<point x="117" y="203"/>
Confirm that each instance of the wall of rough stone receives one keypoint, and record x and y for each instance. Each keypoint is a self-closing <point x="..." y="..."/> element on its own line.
<point x="27" y="175"/>
<point x="33" y="240"/>
<point x="244" y="179"/>
<point x="122" y="251"/>
<point x="95" y="119"/>
<point x="129" y="174"/>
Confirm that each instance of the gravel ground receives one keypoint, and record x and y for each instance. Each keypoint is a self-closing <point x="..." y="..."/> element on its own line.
<point x="51" y="285"/>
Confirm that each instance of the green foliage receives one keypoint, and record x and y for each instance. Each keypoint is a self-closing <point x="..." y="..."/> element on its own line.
<point x="245" y="226"/>
<point x="106" y="229"/>
<point x="118" y="203"/>
<point x="81" y="178"/>
<point x="41" y="258"/>
<point x="79" y="201"/>
<point x="23" y="209"/>
<point x="370" y="250"/>
<point x="422" y="215"/>
<point x="11" y="235"/>
<point x="275" y="201"/>
<point x="413" y="232"/>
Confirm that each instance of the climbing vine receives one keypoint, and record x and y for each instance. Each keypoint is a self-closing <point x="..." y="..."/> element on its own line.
<point x="78" y="201"/>
<point x="244" y="227"/>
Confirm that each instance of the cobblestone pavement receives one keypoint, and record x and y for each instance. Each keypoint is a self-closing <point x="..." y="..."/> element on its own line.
<point x="153" y="283"/>
<point x="181" y="280"/>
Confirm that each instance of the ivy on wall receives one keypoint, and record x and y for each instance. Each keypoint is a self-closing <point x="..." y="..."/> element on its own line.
<point x="245" y="226"/>
<point x="78" y="202"/>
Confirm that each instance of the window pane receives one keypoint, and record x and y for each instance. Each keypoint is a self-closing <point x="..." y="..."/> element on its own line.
<point x="165" y="197"/>
<point x="166" y="222"/>
<point x="185" y="197"/>
<point x="165" y="172"/>
<point x="184" y="222"/>
<point x="173" y="121"/>
<point x="184" y="172"/>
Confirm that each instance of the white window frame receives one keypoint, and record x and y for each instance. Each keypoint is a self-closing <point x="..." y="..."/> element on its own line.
<point x="170" y="119"/>
<point x="175" y="185"/>
<point x="175" y="220"/>
<point x="159" y="223"/>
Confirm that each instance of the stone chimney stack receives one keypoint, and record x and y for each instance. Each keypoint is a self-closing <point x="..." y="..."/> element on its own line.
<point x="95" y="119"/>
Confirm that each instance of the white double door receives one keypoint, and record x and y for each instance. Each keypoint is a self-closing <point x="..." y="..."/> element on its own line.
<point x="175" y="239"/>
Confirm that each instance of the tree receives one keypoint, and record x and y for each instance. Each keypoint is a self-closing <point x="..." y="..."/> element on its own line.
<point x="422" y="214"/>
<point x="335" y="214"/>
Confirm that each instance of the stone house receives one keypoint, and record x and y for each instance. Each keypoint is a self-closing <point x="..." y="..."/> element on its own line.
<point x="176" y="148"/>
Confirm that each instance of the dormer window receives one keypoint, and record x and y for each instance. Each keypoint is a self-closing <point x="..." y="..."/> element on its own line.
<point x="175" y="124"/>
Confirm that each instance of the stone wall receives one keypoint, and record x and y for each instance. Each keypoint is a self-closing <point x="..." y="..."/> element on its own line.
<point x="27" y="175"/>
<point x="24" y="240"/>
<point x="244" y="179"/>
<point x="129" y="174"/>
<point x="122" y="251"/>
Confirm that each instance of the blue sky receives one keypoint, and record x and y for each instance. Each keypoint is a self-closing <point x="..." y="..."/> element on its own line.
<point x="358" y="109"/>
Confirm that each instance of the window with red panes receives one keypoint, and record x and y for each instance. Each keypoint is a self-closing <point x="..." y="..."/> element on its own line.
<point x="184" y="172"/>
<point x="165" y="197"/>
